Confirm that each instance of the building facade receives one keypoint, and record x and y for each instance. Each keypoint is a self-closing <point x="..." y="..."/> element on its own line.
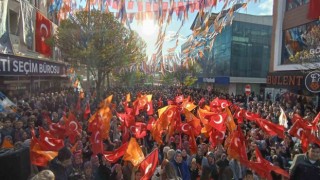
<point x="295" y="51"/>
<point x="240" y="55"/>
<point x="28" y="63"/>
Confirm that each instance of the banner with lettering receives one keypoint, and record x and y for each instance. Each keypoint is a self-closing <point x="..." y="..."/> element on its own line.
<point x="13" y="65"/>
<point x="6" y="105"/>
<point x="43" y="33"/>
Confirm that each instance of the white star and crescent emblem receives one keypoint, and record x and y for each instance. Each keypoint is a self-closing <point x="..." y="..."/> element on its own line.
<point x="48" y="141"/>
<point x="43" y="26"/>
<point x="148" y="168"/>
<point x="299" y="132"/>
<point x="75" y="126"/>
<point x="219" y="121"/>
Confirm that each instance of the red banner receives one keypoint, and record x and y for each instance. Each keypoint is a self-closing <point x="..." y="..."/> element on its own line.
<point x="43" y="32"/>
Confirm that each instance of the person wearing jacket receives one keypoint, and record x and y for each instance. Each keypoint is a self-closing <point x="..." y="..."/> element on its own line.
<point x="306" y="166"/>
<point x="181" y="166"/>
<point x="61" y="165"/>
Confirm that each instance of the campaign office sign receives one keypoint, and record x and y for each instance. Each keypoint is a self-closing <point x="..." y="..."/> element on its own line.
<point x="13" y="65"/>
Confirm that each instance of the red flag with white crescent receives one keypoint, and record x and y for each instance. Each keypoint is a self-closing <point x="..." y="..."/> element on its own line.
<point x="149" y="164"/>
<point x="43" y="33"/>
<point x="48" y="142"/>
<point x="115" y="155"/>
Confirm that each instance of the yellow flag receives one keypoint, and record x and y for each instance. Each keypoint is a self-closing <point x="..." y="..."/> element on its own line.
<point x="133" y="153"/>
<point x="231" y="125"/>
<point x="128" y="97"/>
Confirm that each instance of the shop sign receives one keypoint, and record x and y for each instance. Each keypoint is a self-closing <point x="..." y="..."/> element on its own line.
<point x="285" y="80"/>
<point x="13" y="65"/>
<point x="312" y="81"/>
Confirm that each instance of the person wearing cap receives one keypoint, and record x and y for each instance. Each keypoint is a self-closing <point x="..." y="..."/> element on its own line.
<point x="61" y="165"/>
<point x="306" y="166"/>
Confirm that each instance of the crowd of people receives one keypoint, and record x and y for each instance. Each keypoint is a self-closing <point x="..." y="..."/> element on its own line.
<point x="176" y="159"/>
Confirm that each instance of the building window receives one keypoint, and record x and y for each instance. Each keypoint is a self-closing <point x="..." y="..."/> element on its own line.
<point x="291" y="4"/>
<point x="301" y="44"/>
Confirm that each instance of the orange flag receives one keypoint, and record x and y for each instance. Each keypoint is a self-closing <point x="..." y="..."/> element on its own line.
<point x="231" y="125"/>
<point x="133" y="153"/>
<point x="128" y="97"/>
<point x="106" y="101"/>
<point x="7" y="144"/>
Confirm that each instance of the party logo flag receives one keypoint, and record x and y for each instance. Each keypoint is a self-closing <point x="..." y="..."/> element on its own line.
<point x="133" y="153"/>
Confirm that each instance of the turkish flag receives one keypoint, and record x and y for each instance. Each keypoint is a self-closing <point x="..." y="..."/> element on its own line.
<point x="269" y="167"/>
<point x="204" y="115"/>
<point x="96" y="143"/>
<point x="127" y="119"/>
<point x="250" y="116"/>
<point x="139" y="130"/>
<point x="216" y="137"/>
<point x="48" y="142"/>
<point x="43" y="32"/>
<point x="237" y="146"/>
<point x="185" y="128"/>
<point x="115" y="155"/>
<point x="133" y="153"/>
<point x="149" y="107"/>
<point x="38" y="156"/>
<point x="149" y="164"/>
<point x="271" y="128"/>
<point x="218" y="122"/>
<point x="220" y="103"/>
<point x="73" y="128"/>
<point x="239" y="115"/>
<point x="57" y="130"/>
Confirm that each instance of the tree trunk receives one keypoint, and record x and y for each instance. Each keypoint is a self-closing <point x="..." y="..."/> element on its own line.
<point x="108" y="81"/>
<point x="98" y="84"/>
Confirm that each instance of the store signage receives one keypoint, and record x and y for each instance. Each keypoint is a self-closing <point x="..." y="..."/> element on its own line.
<point x="285" y="80"/>
<point x="13" y="65"/>
<point x="312" y="81"/>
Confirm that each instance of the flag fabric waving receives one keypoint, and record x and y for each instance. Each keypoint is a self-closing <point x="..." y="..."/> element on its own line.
<point x="43" y="33"/>
<point x="133" y="153"/>
<point x="149" y="164"/>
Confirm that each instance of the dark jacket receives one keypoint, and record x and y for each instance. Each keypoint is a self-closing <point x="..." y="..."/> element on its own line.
<point x="59" y="171"/>
<point x="182" y="170"/>
<point x="302" y="168"/>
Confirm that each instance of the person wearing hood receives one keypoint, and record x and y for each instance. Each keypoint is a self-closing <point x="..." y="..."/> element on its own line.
<point x="181" y="166"/>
